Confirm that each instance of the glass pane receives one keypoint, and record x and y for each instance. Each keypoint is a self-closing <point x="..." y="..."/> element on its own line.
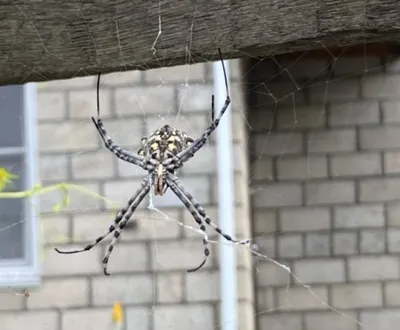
<point x="11" y="111"/>
<point x="12" y="212"/>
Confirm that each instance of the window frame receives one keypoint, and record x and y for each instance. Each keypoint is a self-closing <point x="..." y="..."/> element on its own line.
<point x="25" y="272"/>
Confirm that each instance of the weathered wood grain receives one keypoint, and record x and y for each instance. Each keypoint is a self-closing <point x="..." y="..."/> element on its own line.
<point x="55" y="39"/>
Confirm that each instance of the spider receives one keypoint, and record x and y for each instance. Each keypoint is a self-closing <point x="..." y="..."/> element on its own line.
<point x="162" y="154"/>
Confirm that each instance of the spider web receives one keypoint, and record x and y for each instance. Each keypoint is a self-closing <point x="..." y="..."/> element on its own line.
<point x="298" y="92"/>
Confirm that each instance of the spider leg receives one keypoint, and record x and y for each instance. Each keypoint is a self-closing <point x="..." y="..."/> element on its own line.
<point x="188" y="153"/>
<point x="109" y="143"/>
<point x="201" y="211"/>
<point x="196" y="216"/>
<point x="117" y="222"/>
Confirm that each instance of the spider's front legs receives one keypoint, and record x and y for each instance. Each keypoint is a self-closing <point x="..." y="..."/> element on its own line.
<point x="117" y="150"/>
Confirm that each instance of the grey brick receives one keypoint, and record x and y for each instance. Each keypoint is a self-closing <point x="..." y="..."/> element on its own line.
<point x="305" y="219"/>
<point x="359" y="295"/>
<point x="392" y="162"/>
<point x="262" y="169"/>
<point x="88" y="226"/>
<point x="359" y="216"/>
<point x="277" y="144"/>
<point x="235" y="69"/>
<point x="373" y="268"/>
<point x="43" y="320"/>
<point x="372" y="241"/>
<point x="391" y="111"/>
<point x="302" y="168"/>
<point x="382" y="137"/>
<point x="86" y="81"/>
<point x="295" y="299"/>
<point x="299" y="117"/>
<point x="283" y="321"/>
<point x="266" y="245"/>
<point x="121" y="78"/>
<point x="377" y="190"/>
<point x="78" y="200"/>
<point x="120" y="191"/>
<point x="356" y="164"/>
<point x="10" y="301"/>
<point x="138" y="318"/>
<point x="202" y="286"/>
<point x="335" y="90"/>
<point x="393" y="236"/>
<point x="330" y="321"/>
<point x="85" y="319"/>
<point x="55" y="264"/>
<point x="91" y="165"/>
<point x="195" y="98"/>
<point x="132" y="289"/>
<point x="144" y="100"/>
<point x="320" y="270"/>
<point x="307" y="67"/>
<point x="346" y="66"/>
<point x="317" y="245"/>
<point x="344" y="243"/>
<point x="380" y="86"/>
<point x="127" y="133"/>
<point x="50" y="105"/>
<point x="128" y="170"/>
<point x="392" y="292"/>
<point x="280" y="92"/>
<point x="246" y="312"/>
<point x="290" y="246"/>
<point x="265" y="299"/>
<point x="260" y="119"/>
<point x="54" y="168"/>
<point x="240" y="129"/>
<point x="124" y="252"/>
<point x="338" y="140"/>
<point x="67" y="136"/>
<point x="264" y="221"/>
<point x="279" y="194"/>
<point x="65" y="293"/>
<point x="330" y="192"/>
<point x="170" y="287"/>
<point x="354" y="113"/>
<point x="186" y="254"/>
<point x="393" y="214"/>
<point x="184" y="317"/>
<point x="83" y="103"/>
<point x="382" y="320"/>
<point x="237" y="94"/>
<point x="269" y="274"/>
<point x="181" y="74"/>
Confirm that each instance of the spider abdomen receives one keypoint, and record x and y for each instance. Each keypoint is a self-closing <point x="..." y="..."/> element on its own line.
<point x="164" y="143"/>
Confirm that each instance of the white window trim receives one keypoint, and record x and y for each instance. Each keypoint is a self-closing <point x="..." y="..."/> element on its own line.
<point x="25" y="273"/>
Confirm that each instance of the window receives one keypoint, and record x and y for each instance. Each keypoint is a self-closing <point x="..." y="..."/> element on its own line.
<point x="19" y="251"/>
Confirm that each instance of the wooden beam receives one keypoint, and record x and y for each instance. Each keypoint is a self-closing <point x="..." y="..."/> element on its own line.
<point x="55" y="39"/>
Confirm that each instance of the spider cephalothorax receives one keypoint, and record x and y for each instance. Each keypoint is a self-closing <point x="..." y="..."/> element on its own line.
<point x="162" y="154"/>
<point x="163" y="144"/>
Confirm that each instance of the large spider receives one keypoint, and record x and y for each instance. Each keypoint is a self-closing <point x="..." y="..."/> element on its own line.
<point x="162" y="154"/>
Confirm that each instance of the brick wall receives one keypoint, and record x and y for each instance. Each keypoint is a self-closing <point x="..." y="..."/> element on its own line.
<point x="325" y="190"/>
<point x="149" y="264"/>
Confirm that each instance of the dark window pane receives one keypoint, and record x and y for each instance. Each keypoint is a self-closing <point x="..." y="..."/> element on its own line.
<point x="12" y="212"/>
<point x="11" y="111"/>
